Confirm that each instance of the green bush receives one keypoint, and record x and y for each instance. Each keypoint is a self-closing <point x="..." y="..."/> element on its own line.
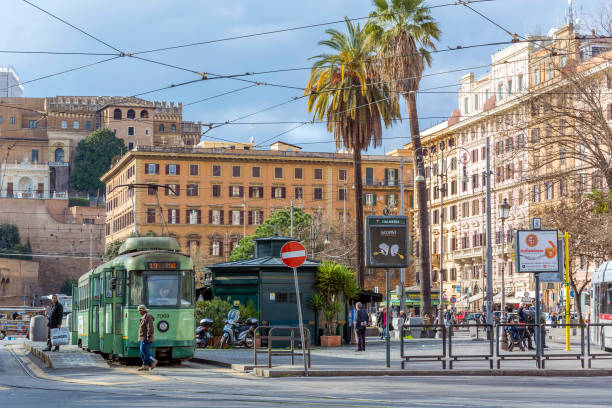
<point x="78" y="202"/>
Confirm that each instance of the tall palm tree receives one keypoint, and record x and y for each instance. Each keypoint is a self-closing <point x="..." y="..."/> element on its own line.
<point x="344" y="88"/>
<point x="405" y="31"/>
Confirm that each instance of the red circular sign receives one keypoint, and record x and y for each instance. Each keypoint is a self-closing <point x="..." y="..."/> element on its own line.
<point x="293" y="254"/>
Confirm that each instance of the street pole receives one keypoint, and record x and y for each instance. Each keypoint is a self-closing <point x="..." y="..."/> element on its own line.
<point x="489" y="249"/>
<point x="388" y="335"/>
<point x="538" y="331"/>
<point x="442" y="190"/>
<point x="503" y="289"/>
<point x="291" y="218"/>
<point x="566" y="237"/>
<point x="402" y="270"/>
<point x="300" y="321"/>
<point x="134" y="210"/>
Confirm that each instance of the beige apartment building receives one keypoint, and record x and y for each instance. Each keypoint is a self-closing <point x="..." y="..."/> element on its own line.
<point x="503" y="106"/>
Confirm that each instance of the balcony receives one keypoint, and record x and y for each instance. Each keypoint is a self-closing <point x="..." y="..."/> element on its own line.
<point x="467" y="255"/>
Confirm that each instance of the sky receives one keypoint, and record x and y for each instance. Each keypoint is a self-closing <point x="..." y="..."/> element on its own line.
<point x="138" y="25"/>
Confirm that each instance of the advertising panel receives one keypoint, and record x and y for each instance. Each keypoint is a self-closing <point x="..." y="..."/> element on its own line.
<point x="536" y="251"/>
<point x="387" y="241"/>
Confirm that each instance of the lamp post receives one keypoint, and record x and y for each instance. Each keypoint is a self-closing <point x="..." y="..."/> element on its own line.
<point x="504" y="212"/>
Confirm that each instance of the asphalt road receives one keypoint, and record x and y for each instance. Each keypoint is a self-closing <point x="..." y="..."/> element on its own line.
<point x="196" y="385"/>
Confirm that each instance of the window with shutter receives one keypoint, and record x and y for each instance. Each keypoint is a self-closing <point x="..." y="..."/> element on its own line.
<point x="298" y="173"/>
<point x="256" y="172"/>
<point x="235" y="171"/>
<point x="284" y="192"/>
<point x="318" y="174"/>
<point x="194" y="169"/>
<point x="221" y="221"/>
<point x="216" y="190"/>
<point x="250" y="217"/>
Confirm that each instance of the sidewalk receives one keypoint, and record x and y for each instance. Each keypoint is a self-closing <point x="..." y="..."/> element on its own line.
<point x="67" y="357"/>
<point x="345" y="361"/>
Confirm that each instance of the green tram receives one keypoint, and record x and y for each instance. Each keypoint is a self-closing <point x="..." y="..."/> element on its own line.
<point x="149" y="271"/>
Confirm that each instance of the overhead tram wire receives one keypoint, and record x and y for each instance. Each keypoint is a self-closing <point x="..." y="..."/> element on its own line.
<point x="282" y="30"/>
<point x="73" y="26"/>
<point x="218" y="95"/>
<point x="58" y="52"/>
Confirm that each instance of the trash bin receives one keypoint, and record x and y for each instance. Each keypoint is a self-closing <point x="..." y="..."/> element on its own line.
<point x="38" y="328"/>
<point x="415" y="331"/>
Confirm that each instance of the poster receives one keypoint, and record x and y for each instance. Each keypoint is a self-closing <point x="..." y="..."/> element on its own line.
<point x="387" y="241"/>
<point x="537" y="251"/>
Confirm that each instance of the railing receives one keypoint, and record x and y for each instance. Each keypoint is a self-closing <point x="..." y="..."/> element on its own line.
<point x="508" y="342"/>
<point x="426" y="331"/>
<point x="270" y="338"/>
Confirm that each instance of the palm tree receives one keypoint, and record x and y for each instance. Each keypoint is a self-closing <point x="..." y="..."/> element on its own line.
<point x="405" y="33"/>
<point x="344" y="89"/>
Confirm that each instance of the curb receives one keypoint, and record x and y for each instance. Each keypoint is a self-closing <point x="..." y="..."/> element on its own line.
<point x="236" y="367"/>
<point x="41" y="355"/>
<point x="277" y="373"/>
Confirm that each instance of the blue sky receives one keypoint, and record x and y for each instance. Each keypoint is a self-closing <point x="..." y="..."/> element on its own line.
<point x="138" y="25"/>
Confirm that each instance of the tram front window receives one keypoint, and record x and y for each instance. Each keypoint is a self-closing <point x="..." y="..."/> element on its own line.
<point x="162" y="290"/>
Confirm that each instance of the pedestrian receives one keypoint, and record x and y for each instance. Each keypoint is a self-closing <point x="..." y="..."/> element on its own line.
<point x="54" y="321"/>
<point x="361" y="323"/>
<point x="145" y="338"/>
<point x="383" y="323"/>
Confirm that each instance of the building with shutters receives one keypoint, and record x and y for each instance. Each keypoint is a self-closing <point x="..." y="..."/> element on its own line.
<point x="215" y="196"/>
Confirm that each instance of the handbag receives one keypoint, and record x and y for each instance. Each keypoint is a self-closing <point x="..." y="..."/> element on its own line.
<point x="60" y="337"/>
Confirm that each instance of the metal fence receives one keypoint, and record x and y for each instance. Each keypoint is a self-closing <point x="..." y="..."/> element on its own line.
<point x="287" y="333"/>
<point x="493" y="344"/>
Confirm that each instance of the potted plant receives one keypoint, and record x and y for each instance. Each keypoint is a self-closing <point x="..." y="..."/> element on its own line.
<point x="335" y="284"/>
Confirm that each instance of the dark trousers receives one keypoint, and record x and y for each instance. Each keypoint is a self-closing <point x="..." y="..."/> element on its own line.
<point x="361" y="332"/>
<point x="49" y="338"/>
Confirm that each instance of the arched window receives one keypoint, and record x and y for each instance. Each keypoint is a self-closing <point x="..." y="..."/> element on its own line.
<point x="173" y="128"/>
<point x="144" y="114"/>
<point x="161" y="127"/>
<point x="59" y="155"/>
<point x="131" y="114"/>
<point x="117" y="114"/>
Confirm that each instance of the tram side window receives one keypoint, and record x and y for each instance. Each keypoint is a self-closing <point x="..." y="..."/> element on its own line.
<point x="108" y="275"/>
<point x="120" y="282"/>
<point x="96" y="288"/>
<point x="136" y="289"/>
<point x="187" y="288"/>
<point x="606" y="304"/>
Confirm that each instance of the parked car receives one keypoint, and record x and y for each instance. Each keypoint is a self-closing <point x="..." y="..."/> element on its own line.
<point x="460" y="316"/>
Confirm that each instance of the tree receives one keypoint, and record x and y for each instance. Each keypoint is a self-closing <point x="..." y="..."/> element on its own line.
<point x="344" y="88"/>
<point x="112" y="250"/>
<point x="94" y="155"/>
<point x="9" y="236"/>
<point x="405" y="33"/>
<point x="279" y="221"/>
<point x="66" y="288"/>
<point x="335" y="284"/>
<point x="590" y="242"/>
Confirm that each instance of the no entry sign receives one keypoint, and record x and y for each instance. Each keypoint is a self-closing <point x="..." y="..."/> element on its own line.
<point x="293" y="254"/>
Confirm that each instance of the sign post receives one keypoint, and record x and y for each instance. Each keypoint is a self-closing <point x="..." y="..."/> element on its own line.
<point x="293" y="254"/>
<point x="537" y="252"/>
<point x="387" y="247"/>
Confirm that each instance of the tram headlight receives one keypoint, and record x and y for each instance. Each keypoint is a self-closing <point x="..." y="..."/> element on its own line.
<point x="163" y="326"/>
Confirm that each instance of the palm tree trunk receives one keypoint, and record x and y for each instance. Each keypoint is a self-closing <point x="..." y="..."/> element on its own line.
<point x="422" y="204"/>
<point x="359" y="216"/>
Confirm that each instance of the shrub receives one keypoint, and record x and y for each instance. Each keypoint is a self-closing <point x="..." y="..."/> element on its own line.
<point x="78" y="202"/>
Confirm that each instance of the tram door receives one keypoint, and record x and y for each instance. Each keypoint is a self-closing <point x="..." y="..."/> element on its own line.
<point x="107" y="315"/>
<point x="119" y="293"/>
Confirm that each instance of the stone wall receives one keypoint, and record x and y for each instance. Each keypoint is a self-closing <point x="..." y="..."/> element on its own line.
<point x="16" y="278"/>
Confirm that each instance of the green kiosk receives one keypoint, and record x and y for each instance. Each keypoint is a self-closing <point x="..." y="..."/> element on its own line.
<point x="266" y="282"/>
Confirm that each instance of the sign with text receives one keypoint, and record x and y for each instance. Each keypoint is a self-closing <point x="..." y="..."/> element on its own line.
<point x="552" y="277"/>
<point x="536" y="251"/>
<point x="386" y="241"/>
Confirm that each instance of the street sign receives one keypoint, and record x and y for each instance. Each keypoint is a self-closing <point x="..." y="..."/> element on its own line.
<point x="553" y="277"/>
<point x="293" y="254"/>
<point x="453" y="299"/>
<point x="387" y="241"/>
<point x="536" y="251"/>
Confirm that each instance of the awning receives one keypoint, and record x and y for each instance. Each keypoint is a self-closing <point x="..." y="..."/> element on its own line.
<point x="476" y="297"/>
<point x="368" y="296"/>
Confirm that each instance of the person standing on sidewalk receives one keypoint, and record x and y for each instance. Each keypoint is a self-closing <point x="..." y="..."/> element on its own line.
<point x="55" y="321"/>
<point x="361" y="323"/>
<point x="145" y="338"/>
<point x="384" y="323"/>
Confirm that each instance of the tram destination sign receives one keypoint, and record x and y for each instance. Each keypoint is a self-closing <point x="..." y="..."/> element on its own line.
<point x="536" y="251"/>
<point x="387" y="241"/>
<point x="156" y="266"/>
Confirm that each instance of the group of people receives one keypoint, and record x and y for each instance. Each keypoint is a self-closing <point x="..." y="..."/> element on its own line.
<point x="521" y="331"/>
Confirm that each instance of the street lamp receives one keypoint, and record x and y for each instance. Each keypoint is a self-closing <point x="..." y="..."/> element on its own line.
<point x="504" y="212"/>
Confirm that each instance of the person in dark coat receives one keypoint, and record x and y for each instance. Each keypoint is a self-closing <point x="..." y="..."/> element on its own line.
<point x="361" y="323"/>
<point x="146" y="331"/>
<point x="54" y="321"/>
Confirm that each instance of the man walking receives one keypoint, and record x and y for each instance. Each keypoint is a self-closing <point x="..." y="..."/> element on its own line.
<point x="54" y="321"/>
<point x="145" y="338"/>
<point x="361" y="323"/>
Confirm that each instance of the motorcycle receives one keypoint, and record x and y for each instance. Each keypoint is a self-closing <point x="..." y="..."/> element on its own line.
<point x="203" y="333"/>
<point x="234" y="335"/>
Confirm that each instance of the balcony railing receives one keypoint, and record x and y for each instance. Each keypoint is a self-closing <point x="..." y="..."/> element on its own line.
<point x="56" y="195"/>
<point x="467" y="253"/>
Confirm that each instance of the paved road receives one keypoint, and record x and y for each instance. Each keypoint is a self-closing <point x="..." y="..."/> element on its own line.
<point x="195" y="385"/>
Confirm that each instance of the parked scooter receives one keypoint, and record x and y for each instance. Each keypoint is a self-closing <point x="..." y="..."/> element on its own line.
<point x="203" y="333"/>
<point x="234" y="335"/>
